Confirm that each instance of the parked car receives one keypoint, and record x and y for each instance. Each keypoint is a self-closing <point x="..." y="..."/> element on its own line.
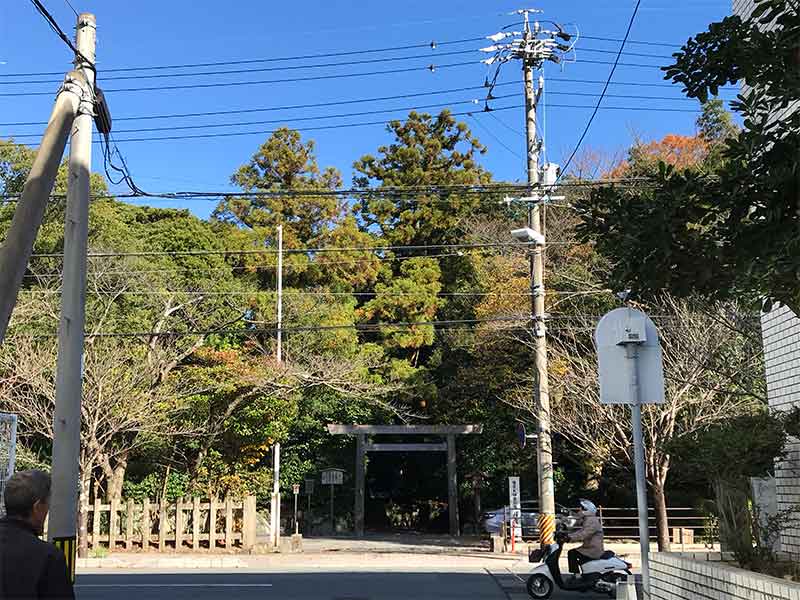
<point x="492" y="520"/>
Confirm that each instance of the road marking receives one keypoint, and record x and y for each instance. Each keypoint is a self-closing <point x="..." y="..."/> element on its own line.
<point x="168" y="585"/>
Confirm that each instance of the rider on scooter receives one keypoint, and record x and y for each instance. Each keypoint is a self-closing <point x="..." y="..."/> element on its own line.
<point x="590" y="533"/>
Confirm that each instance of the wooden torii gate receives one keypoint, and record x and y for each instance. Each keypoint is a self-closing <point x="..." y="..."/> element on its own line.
<point x="364" y="445"/>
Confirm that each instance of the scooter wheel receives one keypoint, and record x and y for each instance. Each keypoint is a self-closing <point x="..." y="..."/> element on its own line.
<point x="539" y="586"/>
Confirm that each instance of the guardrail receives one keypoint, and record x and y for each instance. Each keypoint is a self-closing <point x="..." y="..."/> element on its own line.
<point x="686" y="524"/>
<point x="623" y="523"/>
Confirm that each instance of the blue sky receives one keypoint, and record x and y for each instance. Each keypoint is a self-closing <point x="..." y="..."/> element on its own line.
<point x="144" y="33"/>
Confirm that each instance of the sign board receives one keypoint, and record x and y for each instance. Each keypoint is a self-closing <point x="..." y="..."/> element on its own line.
<point x="515" y="505"/>
<point x="8" y="447"/>
<point x="332" y="477"/>
<point x="296" y="488"/>
<point x="629" y="362"/>
<point x="309" y="487"/>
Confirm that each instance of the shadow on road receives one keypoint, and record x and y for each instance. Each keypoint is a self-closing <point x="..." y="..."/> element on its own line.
<point x="289" y="586"/>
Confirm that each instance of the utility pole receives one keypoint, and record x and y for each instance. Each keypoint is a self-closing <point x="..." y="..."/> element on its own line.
<point x="533" y="47"/>
<point x="69" y="376"/>
<point x="275" y="517"/>
<point x="18" y="246"/>
<point x="544" y="452"/>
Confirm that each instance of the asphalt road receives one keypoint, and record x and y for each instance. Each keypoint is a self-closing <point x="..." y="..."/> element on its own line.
<point x="306" y="586"/>
<point x="289" y="586"/>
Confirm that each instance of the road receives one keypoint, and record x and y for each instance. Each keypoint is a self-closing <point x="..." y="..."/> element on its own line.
<point x="239" y="585"/>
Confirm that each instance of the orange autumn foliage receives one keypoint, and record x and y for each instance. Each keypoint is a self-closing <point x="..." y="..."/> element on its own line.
<point x="680" y="151"/>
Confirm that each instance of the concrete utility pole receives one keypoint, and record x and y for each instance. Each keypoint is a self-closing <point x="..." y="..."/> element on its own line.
<point x="275" y="515"/>
<point x="18" y="246"/>
<point x="544" y="453"/>
<point x="69" y="376"/>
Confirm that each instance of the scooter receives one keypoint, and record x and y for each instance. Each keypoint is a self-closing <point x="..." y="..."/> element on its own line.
<point x="600" y="575"/>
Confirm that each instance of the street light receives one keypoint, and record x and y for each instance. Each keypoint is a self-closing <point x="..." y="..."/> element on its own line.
<point x="528" y="236"/>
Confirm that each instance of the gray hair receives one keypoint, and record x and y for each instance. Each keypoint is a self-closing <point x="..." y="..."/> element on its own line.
<point x="23" y="490"/>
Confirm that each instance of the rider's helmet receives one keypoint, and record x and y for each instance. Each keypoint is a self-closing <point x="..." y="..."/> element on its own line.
<point x="588" y="507"/>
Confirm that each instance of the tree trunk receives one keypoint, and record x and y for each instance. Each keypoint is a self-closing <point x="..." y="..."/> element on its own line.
<point x="83" y="513"/>
<point x="662" y="521"/>
<point x="115" y="475"/>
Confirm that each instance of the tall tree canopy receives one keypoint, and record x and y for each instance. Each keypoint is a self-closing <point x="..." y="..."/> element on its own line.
<point x="741" y="216"/>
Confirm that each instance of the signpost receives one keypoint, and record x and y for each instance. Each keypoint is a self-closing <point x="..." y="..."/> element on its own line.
<point x="332" y="477"/>
<point x="631" y="372"/>
<point x="515" y="505"/>
<point x="296" y="490"/>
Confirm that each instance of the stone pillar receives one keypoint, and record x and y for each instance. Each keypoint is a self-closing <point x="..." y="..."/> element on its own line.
<point x="358" y="512"/>
<point x="452" y="485"/>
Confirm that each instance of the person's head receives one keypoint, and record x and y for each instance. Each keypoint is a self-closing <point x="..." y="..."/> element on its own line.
<point x="587" y="508"/>
<point x="27" y="497"/>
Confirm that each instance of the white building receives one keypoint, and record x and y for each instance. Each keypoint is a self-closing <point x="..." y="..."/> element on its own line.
<point x="781" y="333"/>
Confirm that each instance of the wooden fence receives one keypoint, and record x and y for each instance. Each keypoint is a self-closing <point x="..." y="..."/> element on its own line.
<point x="189" y="523"/>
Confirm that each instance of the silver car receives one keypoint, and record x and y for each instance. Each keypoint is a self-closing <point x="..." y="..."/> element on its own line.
<point x="492" y="520"/>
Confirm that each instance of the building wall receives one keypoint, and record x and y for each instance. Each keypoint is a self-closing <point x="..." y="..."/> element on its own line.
<point x="702" y="576"/>
<point x="781" y="332"/>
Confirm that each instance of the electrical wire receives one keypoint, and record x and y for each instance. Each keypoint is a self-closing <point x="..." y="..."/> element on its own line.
<point x="431" y="68"/>
<point x="285" y="293"/>
<point x="351" y="125"/>
<point x="311" y="66"/>
<point x="365" y="327"/>
<point x="286" y="251"/>
<point x="60" y="33"/>
<point x="433" y="45"/>
<point x="352" y="101"/>
<point x="396" y="192"/>
<point x="258" y="70"/>
<point x="602" y="94"/>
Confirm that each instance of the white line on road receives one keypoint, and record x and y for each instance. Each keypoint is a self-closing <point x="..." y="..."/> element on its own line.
<point x="168" y="585"/>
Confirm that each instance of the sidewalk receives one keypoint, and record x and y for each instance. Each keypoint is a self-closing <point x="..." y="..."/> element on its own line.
<point x="391" y="552"/>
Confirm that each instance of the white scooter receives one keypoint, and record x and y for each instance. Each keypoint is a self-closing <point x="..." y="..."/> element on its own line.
<point x="599" y="575"/>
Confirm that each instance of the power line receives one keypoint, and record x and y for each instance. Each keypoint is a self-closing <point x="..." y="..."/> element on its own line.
<point x="317" y="250"/>
<point x="302" y="119"/>
<point x="359" y="124"/>
<point x="626" y="40"/>
<point x="396" y="192"/>
<point x="316" y="66"/>
<point x="603" y="93"/>
<point x="359" y="101"/>
<point x="431" y="68"/>
<point x="431" y="45"/>
<point x="365" y="327"/>
<point x="257" y="70"/>
<point x="60" y="33"/>
<point x="317" y="294"/>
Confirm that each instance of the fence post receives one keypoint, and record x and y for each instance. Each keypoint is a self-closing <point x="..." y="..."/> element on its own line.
<point x="212" y="523"/>
<point x="146" y="526"/>
<point x="129" y="524"/>
<point x="162" y="524"/>
<point x="96" y="524"/>
<point x="249" y="523"/>
<point x="113" y="525"/>
<point x="196" y="523"/>
<point x="228" y="522"/>
<point x="178" y="524"/>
